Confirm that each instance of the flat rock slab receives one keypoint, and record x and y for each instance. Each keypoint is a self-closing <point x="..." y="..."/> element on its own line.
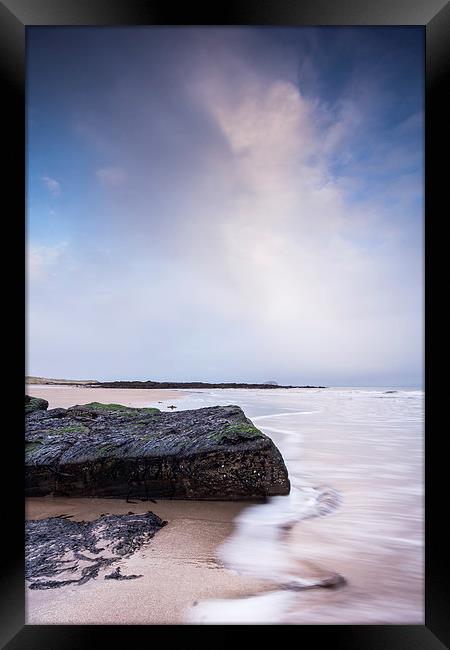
<point x="111" y="450"/>
<point x="59" y="552"/>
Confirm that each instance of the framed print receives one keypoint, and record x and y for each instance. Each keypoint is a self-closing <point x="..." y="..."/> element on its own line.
<point x="228" y="220"/>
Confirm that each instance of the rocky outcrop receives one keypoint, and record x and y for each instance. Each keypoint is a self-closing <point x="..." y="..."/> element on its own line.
<point x="35" y="404"/>
<point x="59" y="552"/>
<point x="111" y="450"/>
<point x="188" y="385"/>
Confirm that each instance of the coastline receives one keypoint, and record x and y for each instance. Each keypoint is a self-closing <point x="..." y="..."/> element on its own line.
<point x="355" y="510"/>
<point x="63" y="396"/>
<point x="179" y="566"/>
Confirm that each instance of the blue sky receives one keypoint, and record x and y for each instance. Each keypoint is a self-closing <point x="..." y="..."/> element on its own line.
<point x="233" y="204"/>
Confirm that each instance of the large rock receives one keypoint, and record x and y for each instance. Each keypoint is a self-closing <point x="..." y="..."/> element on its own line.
<point x="112" y="450"/>
<point x="35" y="404"/>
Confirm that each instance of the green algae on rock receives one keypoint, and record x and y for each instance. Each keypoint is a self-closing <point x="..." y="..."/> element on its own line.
<point x="34" y="404"/>
<point x="117" y="451"/>
<point x="98" y="406"/>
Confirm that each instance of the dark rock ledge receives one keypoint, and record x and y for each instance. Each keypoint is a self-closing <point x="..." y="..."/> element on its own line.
<point x="59" y="552"/>
<point x="35" y="404"/>
<point x="109" y="450"/>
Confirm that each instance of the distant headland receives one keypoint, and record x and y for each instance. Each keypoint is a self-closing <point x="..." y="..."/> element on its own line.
<point x="155" y="384"/>
<point x="66" y="382"/>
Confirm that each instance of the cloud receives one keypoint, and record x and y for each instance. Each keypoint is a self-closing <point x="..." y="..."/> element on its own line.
<point x="111" y="175"/>
<point x="52" y="185"/>
<point x="43" y="261"/>
<point x="254" y="233"/>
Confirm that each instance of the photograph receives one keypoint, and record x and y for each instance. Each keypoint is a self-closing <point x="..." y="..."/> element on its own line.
<point x="224" y="391"/>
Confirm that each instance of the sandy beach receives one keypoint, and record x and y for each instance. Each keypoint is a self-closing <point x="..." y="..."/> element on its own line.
<point x="178" y="565"/>
<point x="224" y="377"/>
<point x="59" y="396"/>
<point x="355" y="511"/>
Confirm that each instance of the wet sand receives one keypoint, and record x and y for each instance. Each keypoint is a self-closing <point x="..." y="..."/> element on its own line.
<point x="179" y="566"/>
<point x="65" y="396"/>
<point x="355" y="460"/>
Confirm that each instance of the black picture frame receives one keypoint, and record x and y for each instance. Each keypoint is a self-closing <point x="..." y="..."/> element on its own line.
<point x="434" y="16"/>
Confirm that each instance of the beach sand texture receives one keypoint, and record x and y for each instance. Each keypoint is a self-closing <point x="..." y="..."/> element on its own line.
<point x="178" y="565"/>
<point x="355" y="459"/>
<point x="60" y="396"/>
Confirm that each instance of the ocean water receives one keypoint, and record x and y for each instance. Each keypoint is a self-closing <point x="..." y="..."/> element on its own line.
<point x="347" y="545"/>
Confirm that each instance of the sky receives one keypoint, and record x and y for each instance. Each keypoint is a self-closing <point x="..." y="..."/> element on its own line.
<point x="226" y="204"/>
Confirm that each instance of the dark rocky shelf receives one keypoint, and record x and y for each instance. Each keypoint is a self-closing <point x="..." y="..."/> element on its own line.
<point x="60" y="552"/>
<point x="156" y="384"/>
<point x="188" y="384"/>
<point x="109" y="450"/>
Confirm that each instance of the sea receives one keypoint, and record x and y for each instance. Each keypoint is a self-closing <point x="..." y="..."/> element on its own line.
<point x="347" y="545"/>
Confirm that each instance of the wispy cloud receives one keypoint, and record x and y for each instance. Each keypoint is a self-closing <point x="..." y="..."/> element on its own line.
<point x="43" y="261"/>
<point x="52" y="185"/>
<point x="111" y="175"/>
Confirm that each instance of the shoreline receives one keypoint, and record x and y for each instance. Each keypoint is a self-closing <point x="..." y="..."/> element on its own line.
<point x="157" y="385"/>
<point x="345" y="453"/>
<point x="64" y="396"/>
<point x="179" y="566"/>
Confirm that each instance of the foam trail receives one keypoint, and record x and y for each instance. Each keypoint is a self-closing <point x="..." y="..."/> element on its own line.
<point x="282" y="415"/>
<point x="353" y="519"/>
